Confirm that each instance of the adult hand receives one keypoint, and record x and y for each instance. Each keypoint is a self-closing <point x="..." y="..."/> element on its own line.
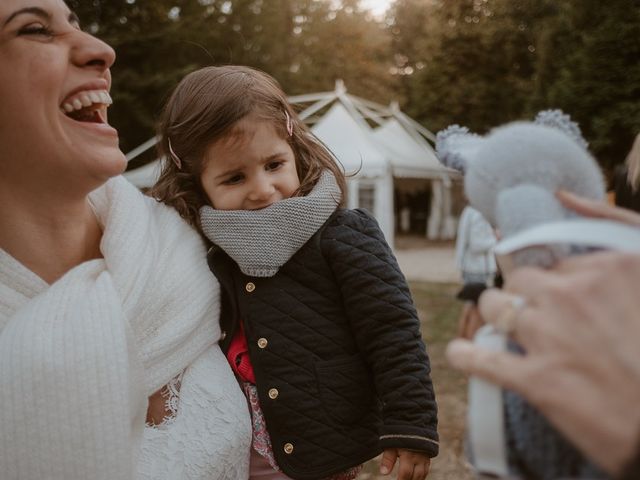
<point x="580" y="327"/>
<point x="597" y="209"/>
<point x="412" y="465"/>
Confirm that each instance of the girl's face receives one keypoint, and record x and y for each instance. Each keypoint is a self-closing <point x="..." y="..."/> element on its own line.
<point x="54" y="85"/>
<point x="251" y="169"/>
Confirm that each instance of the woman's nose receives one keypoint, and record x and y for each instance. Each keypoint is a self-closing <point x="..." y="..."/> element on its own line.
<point x="88" y="51"/>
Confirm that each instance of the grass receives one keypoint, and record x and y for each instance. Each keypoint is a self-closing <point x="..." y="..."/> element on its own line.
<point x="438" y="311"/>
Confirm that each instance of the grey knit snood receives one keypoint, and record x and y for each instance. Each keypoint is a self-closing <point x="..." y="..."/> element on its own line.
<point x="261" y="241"/>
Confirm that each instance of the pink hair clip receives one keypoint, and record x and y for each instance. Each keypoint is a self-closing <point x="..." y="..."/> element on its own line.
<point x="174" y="157"/>
<point x="289" y="123"/>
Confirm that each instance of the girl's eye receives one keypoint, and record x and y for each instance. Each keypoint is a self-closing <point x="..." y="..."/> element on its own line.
<point x="274" y="165"/>
<point x="233" y="180"/>
<point x="36" y="29"/>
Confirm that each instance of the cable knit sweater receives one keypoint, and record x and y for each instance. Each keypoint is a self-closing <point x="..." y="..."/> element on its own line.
<point x="79" y="357"/>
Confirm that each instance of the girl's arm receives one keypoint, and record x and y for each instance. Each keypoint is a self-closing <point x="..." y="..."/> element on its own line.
<point x="386" y="328"/>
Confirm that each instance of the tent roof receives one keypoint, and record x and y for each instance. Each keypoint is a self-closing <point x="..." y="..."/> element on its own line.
<point x="409" y="157"/>
<point x="338" y="130"/>
<point x="402" y="142"/>
<point x="396" y="144"/>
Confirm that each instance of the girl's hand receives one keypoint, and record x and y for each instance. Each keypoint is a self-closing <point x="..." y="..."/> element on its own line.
<point x="412" y="465"/>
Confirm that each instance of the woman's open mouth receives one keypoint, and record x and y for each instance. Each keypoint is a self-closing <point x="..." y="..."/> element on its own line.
<point x="87" y="106"/>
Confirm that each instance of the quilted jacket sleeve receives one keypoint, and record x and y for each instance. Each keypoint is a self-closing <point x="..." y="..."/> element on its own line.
<point x="386" y="327"/>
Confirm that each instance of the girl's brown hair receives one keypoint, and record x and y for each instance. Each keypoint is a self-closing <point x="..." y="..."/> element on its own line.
<point x="203" y="108"/>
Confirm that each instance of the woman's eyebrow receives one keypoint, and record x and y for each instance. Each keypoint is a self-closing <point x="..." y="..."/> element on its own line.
<point x="73" y="18"/>
<point x="30" y="10"/>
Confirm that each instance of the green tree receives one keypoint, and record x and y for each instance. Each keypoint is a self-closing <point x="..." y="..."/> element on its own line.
<point x="597" y="76"/>
<point x="305" y="44"/>
<point x="472" y="61"/>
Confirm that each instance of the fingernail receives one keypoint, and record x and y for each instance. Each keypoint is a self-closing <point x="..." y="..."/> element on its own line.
<point x="384" y="470"/>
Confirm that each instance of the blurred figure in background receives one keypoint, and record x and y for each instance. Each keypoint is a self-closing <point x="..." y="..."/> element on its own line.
<point x="477" y="265"/>
<point x="626" y="179"/>
<point x="474" y="248"/>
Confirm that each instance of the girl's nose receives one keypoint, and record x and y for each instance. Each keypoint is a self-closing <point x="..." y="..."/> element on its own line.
<point x="261" y="189"/>
<point x="90" y="52"/>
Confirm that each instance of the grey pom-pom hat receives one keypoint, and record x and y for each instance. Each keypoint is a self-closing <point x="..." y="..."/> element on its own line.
<point x="511" y="174"/>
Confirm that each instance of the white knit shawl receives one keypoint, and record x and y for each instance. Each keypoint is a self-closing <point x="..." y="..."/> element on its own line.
<point x="79" y="358"/>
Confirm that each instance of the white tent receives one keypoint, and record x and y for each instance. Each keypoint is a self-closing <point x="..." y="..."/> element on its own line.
<point x="369" y="178"/>
<point x="375" y="144"/>
<point x="413" y="157"/>
<point x="409" y="158"/>
<point x="359" y="132"/>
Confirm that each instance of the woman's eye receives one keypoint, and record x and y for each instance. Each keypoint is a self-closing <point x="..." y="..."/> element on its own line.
<point x="35" y="29"/>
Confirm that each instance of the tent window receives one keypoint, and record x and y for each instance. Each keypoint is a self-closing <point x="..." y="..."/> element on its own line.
<point x="366" y="197"/>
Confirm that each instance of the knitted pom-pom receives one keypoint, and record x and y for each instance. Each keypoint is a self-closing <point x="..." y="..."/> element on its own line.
<point x="560" y="120"/>
<point x="451" y="144"/>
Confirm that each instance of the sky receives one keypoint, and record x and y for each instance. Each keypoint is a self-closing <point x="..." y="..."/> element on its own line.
<point x="377" y="6"/>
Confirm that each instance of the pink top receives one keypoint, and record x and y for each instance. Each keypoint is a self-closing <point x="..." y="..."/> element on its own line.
<point x="238" y="357"/>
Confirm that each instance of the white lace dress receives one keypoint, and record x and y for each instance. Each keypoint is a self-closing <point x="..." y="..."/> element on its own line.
<point x="209" y="435"/>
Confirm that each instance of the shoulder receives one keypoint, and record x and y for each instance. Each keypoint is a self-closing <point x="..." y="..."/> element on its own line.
<point x="471" y="214"/>
<point x="118" y="194"/>
<point x="122" y="208"/>
<point x="357" y="221"/>
<point x="351" y="231"/>
<point x="467" y="216"/>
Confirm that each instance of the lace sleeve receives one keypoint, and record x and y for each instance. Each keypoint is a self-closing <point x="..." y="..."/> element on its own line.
<point x="171" y="395"/>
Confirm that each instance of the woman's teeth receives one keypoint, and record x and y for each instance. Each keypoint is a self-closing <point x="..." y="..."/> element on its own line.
<point x="87" y="99"/>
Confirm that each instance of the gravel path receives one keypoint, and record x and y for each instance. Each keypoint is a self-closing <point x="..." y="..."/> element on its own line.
<point x="429" y="263"/>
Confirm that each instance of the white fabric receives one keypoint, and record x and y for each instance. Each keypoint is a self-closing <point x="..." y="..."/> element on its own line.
<point x="485" y="416"/>
<point x="210" y="437"/>
<point x="567" y="236"/>
<point x="474" y="244"/>
<point x="79" y="358"/>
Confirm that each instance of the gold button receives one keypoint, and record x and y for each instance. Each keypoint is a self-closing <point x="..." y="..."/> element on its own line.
<point x="250" y="287"/>
<point x="273" y="393"/>
<point x="288" y="448"/>
<point x="262" y="342"/>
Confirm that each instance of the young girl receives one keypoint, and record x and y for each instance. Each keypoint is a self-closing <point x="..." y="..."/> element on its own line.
<point x="320" y="327"/>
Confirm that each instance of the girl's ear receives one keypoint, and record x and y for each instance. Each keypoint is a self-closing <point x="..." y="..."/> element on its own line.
<point x="561" y="121"/>
<point x="456" y="147"/>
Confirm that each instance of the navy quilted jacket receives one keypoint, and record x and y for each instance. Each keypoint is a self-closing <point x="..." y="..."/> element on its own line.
<point x="334" y="340"/>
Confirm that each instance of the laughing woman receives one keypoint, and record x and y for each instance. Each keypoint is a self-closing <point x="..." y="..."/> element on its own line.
<point x="109" y="363"/>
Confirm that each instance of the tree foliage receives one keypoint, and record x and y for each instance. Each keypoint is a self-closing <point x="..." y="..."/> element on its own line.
<point x="483" y="62"/>
<point x="474" y="62"/>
